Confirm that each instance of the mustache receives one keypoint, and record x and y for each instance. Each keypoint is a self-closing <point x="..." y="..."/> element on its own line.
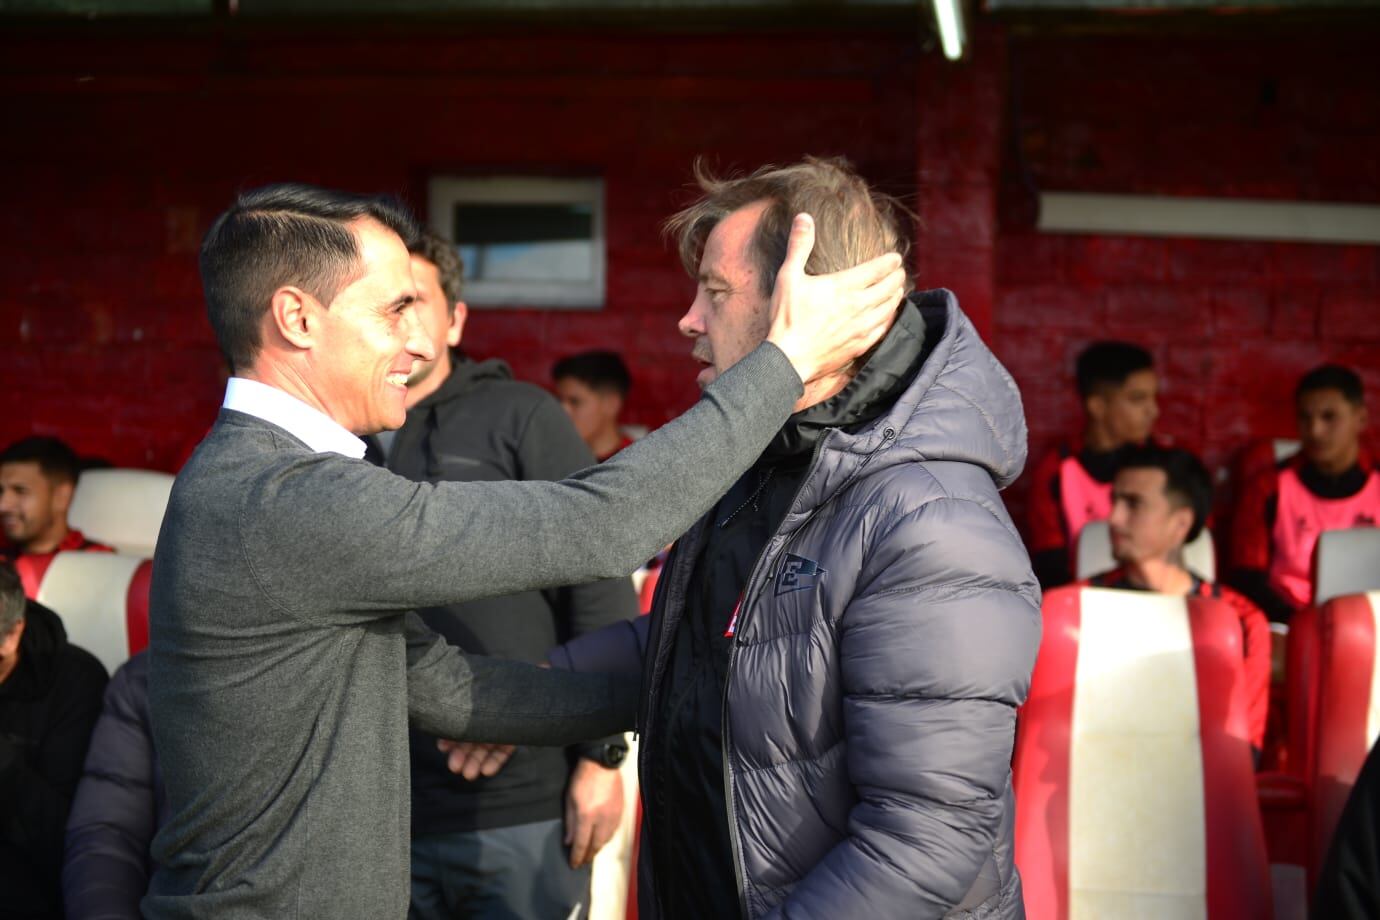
<point x="702" y="353"/>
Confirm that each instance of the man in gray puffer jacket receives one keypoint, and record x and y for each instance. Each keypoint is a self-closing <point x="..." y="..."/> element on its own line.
<point x="836" y="652"/>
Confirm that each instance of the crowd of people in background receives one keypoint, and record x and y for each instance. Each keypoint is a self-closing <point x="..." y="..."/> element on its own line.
<point x="78" y="771"/>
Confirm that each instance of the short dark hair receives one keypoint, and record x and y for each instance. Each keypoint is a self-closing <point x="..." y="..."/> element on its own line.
<point x="1108" y="364"/>
<point x="1186" y="481"/>
<point x="450" y="266"/>
<point x="1333" y="377"/>
<point x="598" y="370"/>
<point x="57" y="461"/>
<point x="12" y="600"/>
<point x="283" y="234"/>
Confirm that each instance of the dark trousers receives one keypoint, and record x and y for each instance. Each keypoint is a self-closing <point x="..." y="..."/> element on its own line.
<point x="506" y="873"/>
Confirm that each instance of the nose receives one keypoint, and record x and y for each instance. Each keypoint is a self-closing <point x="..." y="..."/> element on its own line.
<point x="691" y="324"/>
<point x="419" y="344"/>
<point x="1118" y="515"/>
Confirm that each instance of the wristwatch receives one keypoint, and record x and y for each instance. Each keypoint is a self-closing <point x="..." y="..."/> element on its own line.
<point x="608" y="755"/>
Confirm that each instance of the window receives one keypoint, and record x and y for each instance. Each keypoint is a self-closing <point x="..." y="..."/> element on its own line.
<point x="526" y="242"/>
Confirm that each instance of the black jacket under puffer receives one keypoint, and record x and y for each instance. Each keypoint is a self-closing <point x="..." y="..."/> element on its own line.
<point x="481" y="425"/>
<point x="48" y="706"/>
<point x="885" y="638"/>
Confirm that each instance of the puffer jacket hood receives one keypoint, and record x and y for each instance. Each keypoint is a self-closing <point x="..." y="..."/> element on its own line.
<point x="962" y="406"/>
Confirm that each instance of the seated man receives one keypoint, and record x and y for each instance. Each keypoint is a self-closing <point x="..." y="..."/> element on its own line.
<point x="592" y="387"/>
<point x="118" y="805"/>
<point x="37" y="479"/>
<point x="1073" y="484"/>
<point x="1161" y="498"/>
<point x="50" y="695"/>
<point x="838" y="647"/>
<point x="1329" y="485"/>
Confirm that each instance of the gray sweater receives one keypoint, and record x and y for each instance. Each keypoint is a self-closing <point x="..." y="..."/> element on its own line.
<point x="286" y="663"/>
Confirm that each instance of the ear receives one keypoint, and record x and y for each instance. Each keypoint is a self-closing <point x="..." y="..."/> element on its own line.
<point x="292" y="315"/>
<point x="62" y="497"/>
<point x="457" y="323"/>
<point x="10" y="641"/>
<point x="1096" y="406"/>
<point x="1181" y="520"/>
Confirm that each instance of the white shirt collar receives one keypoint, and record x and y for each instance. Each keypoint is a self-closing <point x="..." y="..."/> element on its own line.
<point x="314" y="428"/>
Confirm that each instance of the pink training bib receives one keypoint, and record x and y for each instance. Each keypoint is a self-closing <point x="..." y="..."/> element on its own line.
<point x="1084" y="498"/>
<point x="1301" y="517"/>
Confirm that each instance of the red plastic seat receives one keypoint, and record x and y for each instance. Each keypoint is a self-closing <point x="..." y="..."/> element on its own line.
<point x="1135" y="794"/>
<point x="1347" y="711"/>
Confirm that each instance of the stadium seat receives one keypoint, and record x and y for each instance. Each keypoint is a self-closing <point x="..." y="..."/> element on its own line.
<point x="1348" y="710"/>
<point x="1346" y="562"/>
<point x="103" y="599"/>
<point x="1135" y="795"/>
<point x="122" y="508"/>
<point x="1095" y="553"/>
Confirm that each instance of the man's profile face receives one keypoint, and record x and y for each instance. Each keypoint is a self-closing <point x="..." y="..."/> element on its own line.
<point x="1128" y="412"/>
<point x="31" y="504"/>
<point x="441" y="321"/>
<point x="1330" y="426"/>
<point x="730" y="315"/>
<point x="370" y="337"/>
<point x="592" y="411"/>
<point x="1145" y="523"/>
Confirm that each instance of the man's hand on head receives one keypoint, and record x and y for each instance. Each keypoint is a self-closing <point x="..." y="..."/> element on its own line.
<point x="473" y="759"/>
<point x="823" y="322"/>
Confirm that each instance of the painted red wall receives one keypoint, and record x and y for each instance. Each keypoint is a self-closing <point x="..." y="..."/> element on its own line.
<point x="1232" y="324"/>
<point x="130" y="146"/>
<point x="103" y="338"/>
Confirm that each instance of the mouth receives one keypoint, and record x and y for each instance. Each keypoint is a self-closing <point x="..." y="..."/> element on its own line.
<point x="397" y="379"/>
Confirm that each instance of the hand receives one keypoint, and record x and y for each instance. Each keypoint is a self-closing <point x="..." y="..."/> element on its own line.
<point x="473" y="759"/>
<point x="823" y="322"/>
<point x="593" y="808"/>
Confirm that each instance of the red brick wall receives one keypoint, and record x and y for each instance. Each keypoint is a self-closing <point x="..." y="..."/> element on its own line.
<point x="131" y="148"/>
<point x="1232" y="324"/>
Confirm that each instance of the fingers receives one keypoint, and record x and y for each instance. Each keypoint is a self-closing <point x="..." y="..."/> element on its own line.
<point x="579" y="831"/>
<point x="798" y="246"/>
<point x="472" y="760"/>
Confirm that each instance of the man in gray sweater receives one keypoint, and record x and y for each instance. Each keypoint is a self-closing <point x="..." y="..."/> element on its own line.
<point x="285" y="659"/>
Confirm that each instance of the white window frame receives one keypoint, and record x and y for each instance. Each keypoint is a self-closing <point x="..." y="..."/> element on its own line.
<point x="444" y="192"/>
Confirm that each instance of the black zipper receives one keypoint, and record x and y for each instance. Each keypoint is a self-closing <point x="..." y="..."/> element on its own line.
<point x="772" y="550"/>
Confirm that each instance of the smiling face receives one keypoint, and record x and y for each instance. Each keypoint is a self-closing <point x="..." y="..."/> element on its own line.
<point x="730" y="315"/>
<point x="370" y="338"/>
<point x="33" y="507"/>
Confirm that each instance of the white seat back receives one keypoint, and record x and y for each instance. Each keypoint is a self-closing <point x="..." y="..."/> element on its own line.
<point x="1095" y="553"/>
<point x="90" y="592"/>
<point x="1348" y="562"/>
<point x="122" y="508"/>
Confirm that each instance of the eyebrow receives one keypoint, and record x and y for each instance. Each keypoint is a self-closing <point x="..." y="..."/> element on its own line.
<point x="706" y="277"/>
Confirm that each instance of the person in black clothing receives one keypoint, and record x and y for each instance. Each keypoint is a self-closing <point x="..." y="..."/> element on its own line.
<point x="1349" y="884"/>
<point x="1072" y="485"/>
<point x="496" y="847"/>
<point x="50" y="697"/>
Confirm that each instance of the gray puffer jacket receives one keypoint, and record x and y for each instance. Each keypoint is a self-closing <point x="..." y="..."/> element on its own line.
<point x="884" y="641"/>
